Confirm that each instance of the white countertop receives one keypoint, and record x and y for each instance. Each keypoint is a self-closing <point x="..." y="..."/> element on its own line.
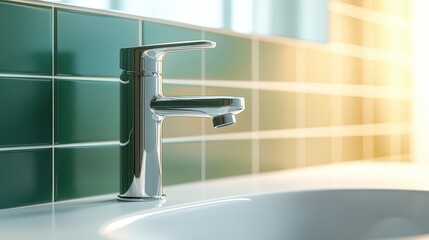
<point x="83" y="218"/>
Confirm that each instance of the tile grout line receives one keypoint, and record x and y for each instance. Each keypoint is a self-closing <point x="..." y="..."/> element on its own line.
<point x="203" y="122"/>
<point x="81" y="78"/>
<point x="53" y="33"/>
<point x="346" y="90"/>
<point x="300" y="106"/>
<point x="255" y="108"/>
<point x="140" y="30"/>
<point x="368" y="104"/>
<point x="6" y="149"/>
<point x="327" y="131"/>
<point x="336" y="73"/>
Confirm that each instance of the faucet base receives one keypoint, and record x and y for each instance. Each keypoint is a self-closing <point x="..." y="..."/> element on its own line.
<point x="141" y="199"/>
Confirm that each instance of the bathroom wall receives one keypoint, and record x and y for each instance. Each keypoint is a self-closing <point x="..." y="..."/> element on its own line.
<point x="306" y="103"/>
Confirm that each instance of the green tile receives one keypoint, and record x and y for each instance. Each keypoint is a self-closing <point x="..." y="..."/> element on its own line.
<point x="86" y="111"/>
<point x="277" y="62"/>
<point x="244" y="119"/>
<point x="25" y="177"/>
<point x="228" y="158"/>
<point x="181" y="162"/>
<point x="83" y="172"/>
<point x="183" y="65"/>
<point x="26" y="107"/>
<point x="230" y="60"/>
<point x="88" y="44"/>
<point x="284" y="115"/>
<point x="277" y="154"/>
<point x="25" y="42"/>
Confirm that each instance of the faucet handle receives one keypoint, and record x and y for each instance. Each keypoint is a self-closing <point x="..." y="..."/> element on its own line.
<point x="151" y="55"/>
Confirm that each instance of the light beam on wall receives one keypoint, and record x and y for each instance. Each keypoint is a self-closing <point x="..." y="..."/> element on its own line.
<point x="420" y="34"/>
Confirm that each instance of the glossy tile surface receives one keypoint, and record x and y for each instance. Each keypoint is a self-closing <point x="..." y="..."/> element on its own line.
<point x="230" y="60"/>
<point x="26" y="111"/>
<point x="25" y="177"/>
<point x="277" y="154"/>
<point x="181" y="162"/>
<point x="228" y="158"/>
<point x="352" y="148"/>
<point x="89" y="44"/>
<point x="352" y="110"/>
<point x="317" y="151"/>
<point x="26" y="40"/>
<point x="318" y="110"/>
<point x="277" y="62"/>
<point x="83" y="172"/>
<point x="317" y="66"/>
<point x="182" y="65"/>
<point x="86" y="111"/>
<point x="277" y="110"/>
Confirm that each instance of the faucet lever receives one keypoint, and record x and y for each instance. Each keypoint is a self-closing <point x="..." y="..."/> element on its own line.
<point x="152" y="55"/>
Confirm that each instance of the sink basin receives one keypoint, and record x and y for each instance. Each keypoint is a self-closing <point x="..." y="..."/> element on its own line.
<point x="344" y="201"/>
<point x="300" y="215"/>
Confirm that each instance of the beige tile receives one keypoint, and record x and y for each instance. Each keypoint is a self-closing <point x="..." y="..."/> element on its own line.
<point x="277" y="62"/>
<point x="277" y="154"/>
<point x="317" y="151"/>
<point x="317" y="66"/>
<point x="381" y="146"/>
<point x="345" y="29"/>
<point x="352" y="112"/>
<point x="228" y="158"/>
<point x="317" y="110"/>
<point x="352" y="148"/>
<point x="277" y="110"/>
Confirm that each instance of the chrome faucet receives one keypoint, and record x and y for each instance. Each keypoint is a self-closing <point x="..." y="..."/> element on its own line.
<point x="143" y="108"/>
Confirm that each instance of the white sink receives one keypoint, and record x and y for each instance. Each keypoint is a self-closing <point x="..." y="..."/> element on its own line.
<point x="298" y="215"/>
<point x="360" y="200"/>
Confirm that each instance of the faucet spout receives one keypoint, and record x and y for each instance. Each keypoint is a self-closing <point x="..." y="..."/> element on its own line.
<point x="221" y="109"/>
